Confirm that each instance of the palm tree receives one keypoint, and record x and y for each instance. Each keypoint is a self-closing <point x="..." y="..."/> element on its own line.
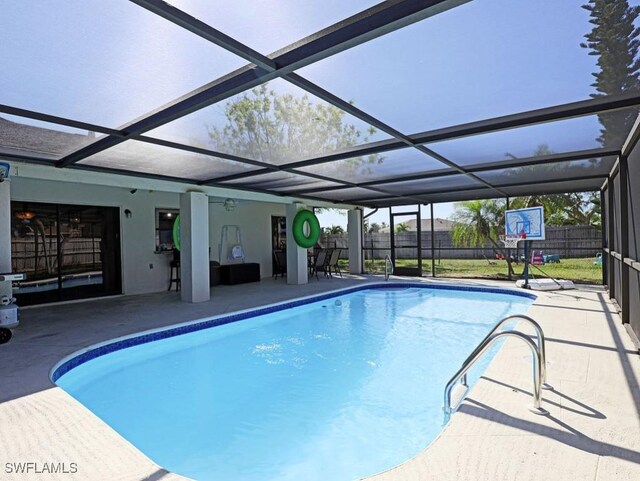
<point x="375" y="227"/>
<point x="402" y="227"/>
<point x="478" y="222"/>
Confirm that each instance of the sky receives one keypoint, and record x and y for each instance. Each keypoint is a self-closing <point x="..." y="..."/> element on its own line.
<point x="106" y="62"/>
<point x="333" y="217"/>
<point x="110" y="62"/>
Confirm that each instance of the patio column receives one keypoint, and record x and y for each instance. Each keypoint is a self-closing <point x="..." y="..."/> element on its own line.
<point x="5" y="235"/>
<point x="296" y="256"/>
<point x="354" y="228"/>
<point x="194" y="247"/>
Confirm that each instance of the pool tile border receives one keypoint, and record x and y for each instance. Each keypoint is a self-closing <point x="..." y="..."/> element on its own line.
<point x="90" y="353"/>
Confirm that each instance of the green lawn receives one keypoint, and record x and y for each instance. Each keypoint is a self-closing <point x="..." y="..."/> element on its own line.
<point x="577" y="270"/>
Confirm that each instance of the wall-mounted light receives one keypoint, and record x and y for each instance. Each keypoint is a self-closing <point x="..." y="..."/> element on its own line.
<point x="229" y="204"/>
<point x="74" y="218"/>
<point x="127" y="213"/>
<point x="25" y="215"/>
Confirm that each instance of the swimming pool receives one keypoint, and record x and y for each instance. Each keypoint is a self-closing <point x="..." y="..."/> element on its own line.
<point x="338" y="386"/>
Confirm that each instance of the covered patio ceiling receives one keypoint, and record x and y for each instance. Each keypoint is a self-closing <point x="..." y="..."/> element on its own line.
<point x="443" y="100"/>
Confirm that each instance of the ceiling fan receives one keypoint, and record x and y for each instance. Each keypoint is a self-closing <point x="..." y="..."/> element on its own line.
<point x="229" y="204"/>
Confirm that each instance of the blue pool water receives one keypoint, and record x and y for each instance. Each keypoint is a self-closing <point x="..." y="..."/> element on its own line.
<point x="336" y="389"/>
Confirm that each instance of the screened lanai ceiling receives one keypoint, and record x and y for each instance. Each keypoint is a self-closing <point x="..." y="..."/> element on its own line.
<point x="357" y="102"/>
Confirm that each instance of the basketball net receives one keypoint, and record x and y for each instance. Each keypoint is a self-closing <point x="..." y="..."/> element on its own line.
<point x="511" y="241"/>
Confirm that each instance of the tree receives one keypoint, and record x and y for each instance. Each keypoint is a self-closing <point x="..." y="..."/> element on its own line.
<point x="322" y="210"/>
<point x="402" y="227"/>
<point x="573" y="208"/>
<point x="334" y="229"/>
<point x="614" y="40"/>
<point x="279" y="128"/>
<point x="477" y="222"/>
<point x="375" y="227"/>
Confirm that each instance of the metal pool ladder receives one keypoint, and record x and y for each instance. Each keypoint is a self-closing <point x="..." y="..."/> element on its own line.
<point x="539" y="368"/>
<point x="388" y="267"/>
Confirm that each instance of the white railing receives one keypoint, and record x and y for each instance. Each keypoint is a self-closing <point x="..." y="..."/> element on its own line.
<point x="388" y="267"/>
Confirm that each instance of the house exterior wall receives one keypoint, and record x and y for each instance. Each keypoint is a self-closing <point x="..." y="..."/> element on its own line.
<point x="143" y="270"/>
<point x="254" y="219"/>
<point x="5" y="236"/>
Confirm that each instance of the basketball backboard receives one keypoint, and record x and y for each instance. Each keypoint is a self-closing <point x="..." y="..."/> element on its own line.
<point x="529" y="221"/>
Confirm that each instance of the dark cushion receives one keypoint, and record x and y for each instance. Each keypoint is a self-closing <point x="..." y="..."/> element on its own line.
<point x="214" y="273"/>
<point x="240" y="273"/>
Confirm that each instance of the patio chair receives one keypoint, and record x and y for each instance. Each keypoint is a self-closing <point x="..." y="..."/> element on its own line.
<point x="320" y="264"/>
<point x="333" y="263"/>
<point x="279" y="263"/>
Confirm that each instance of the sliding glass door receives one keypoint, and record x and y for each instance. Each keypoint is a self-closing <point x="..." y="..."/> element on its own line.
<point x="66" y="251"/>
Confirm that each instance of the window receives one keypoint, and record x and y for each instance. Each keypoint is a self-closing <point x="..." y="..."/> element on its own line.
<point x="165" y="219"/>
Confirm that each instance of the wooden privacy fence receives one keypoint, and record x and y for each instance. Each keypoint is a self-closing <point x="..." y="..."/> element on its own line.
<point x="336" y="241"/>
<point x="566" y="241"/>
<point x="77" y="252"/>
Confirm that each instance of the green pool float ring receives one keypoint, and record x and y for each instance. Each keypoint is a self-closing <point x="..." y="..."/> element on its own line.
<point x="297" y="229"/>
<point x="176" y="232"/>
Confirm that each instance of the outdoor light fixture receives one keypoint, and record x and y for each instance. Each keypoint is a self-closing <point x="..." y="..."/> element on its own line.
<point x="25" y="215"/>
<point x="127" y="213"/>
<point x="74" y="218"/>
<point x="229" y="204"/>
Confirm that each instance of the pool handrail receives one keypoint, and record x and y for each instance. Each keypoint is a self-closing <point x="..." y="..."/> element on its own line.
<point x="541" y="346"/>
<point x="388" y="267"/>
<point x="536" y="408"/>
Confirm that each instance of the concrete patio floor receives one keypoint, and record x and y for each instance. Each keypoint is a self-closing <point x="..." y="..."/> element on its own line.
<point x="592" y="432"/>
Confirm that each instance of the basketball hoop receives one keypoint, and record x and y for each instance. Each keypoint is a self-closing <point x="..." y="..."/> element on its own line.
<point x="511" y="241"/>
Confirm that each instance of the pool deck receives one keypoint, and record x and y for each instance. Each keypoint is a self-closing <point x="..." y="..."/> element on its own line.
<point x="592" y="432"/>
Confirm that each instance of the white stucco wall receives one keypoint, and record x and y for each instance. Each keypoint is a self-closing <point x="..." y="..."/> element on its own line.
<point x="5" y="236"/>
<point x="254" y="219"/>
<point x="138" y="232"/>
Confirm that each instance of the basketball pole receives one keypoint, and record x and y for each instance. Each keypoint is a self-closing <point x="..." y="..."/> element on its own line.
<point x="526" y="263"/>
<point x="528" y="225"/>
